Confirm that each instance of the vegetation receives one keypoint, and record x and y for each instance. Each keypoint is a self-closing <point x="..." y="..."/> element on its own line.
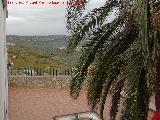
<point x="40" y="52"/>
<point x="43" y="43"/>
<point x="124" y="53"/>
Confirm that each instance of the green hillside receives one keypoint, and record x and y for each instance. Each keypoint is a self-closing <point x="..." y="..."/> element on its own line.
<point x="40" y="52"/>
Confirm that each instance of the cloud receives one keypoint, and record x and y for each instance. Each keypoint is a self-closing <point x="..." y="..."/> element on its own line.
<point x="39" y="19"/>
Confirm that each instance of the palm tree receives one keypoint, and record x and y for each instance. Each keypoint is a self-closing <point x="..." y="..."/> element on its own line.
<point x="125" y="53"/>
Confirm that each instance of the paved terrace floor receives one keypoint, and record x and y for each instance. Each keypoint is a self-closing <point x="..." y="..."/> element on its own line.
<point x="43" y="104"/>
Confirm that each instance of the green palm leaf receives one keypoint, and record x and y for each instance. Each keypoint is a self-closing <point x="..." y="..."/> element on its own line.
<point x="128" y="46"/>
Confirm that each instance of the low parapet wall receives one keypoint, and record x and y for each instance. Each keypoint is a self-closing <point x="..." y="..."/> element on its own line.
<point x="39" y="81"/>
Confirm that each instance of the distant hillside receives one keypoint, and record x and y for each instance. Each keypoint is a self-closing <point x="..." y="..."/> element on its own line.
<point x="40" y="51"/>
<point x="39" y="42"/>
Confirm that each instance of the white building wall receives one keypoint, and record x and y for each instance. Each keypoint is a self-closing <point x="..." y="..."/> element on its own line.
<point x="3" y="66"/>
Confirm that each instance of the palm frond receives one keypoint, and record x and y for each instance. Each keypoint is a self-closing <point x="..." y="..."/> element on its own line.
<point x="136" y="103"/>
<point x="112" y="73"/>
<point x="74" y="12"/>
<point x="156" y="5"/>
<point x="157" y="68"/>
<point x="88" y="57"/>
<point x="107" y="60"/>
<point x="145" y="29"/>
<point x="116" y="98"/>
<point x="89" y="22"/>
<point x="125" y="45"/>
<point x="105" y="68"/>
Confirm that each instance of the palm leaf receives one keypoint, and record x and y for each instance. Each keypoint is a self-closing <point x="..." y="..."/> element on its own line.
<point x="87" y="58"/>
<point x="157" y="68"/>
<point x="87" y="23"/>
<point x="116" y="98"/>
<point x="136" y="103"/>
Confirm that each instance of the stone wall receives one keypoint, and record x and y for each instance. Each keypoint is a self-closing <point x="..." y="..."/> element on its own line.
<point x="39" y="81"/>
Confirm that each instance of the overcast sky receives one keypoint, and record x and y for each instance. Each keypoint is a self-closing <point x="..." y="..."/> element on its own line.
<point x="40" y="19"/>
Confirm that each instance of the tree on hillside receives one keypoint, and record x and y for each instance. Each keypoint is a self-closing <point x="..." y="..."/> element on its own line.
<point x="124" y="52"/>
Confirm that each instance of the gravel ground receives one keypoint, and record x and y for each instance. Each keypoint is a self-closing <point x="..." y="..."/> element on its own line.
<point x="43" y="104"/>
